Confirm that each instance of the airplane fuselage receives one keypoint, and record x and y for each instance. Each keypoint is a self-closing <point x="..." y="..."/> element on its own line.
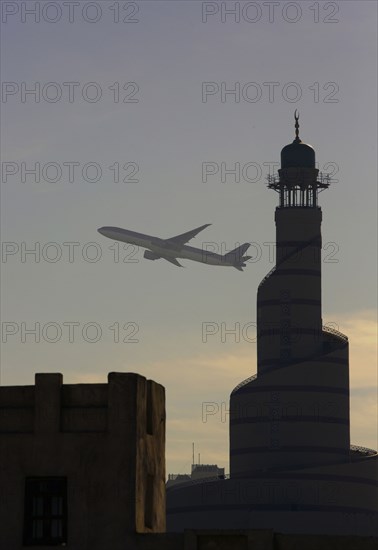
<point x="164" y="247"/>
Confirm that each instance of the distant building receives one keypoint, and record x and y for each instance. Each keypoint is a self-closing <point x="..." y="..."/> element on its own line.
<point x="199" y="471"/>
<point x="292" y="468"/>
<point x="174" y="479"/>
<point x="81" y="465"/>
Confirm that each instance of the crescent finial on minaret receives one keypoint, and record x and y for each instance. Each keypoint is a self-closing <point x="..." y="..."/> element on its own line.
<point x="296" y="116"/>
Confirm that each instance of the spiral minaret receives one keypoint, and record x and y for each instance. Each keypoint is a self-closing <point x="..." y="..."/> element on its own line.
<point x="295" y="411"/>
<point x="292" y="468"/>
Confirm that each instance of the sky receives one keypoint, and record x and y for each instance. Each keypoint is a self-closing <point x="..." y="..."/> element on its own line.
<point x="140" y="112"/>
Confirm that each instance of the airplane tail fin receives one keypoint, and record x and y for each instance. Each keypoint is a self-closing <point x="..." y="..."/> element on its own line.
<point x="236" y="256"/>
<point x="242" y="264"/>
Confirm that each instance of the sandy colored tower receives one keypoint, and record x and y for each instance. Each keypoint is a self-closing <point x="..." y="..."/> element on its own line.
<point x="292" y="468"/>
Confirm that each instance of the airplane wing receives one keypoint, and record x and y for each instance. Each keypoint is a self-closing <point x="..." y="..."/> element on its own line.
<point x="172" y="260"/>
<point x="185" y="237"/>
<point x="149" y="255"/>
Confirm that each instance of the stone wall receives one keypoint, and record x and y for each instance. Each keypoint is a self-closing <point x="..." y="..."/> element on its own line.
<point x="106" y="440"/>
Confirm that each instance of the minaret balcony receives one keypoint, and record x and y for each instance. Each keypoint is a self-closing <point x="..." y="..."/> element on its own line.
<point x="298" y="177"/>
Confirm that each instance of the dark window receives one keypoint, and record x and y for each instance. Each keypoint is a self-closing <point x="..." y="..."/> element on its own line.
<point x="149" y="502"/>
<point x="45" y="516"/>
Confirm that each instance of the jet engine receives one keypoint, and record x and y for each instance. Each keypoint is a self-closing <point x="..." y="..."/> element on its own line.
<point x="150" y="255"/>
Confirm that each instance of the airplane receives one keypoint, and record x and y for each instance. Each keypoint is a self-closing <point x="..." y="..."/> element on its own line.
<point x="175" y="247"/>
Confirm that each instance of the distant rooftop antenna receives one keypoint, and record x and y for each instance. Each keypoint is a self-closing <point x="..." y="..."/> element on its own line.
<point x="199" y="458"/>
<point x="193" y="453"/>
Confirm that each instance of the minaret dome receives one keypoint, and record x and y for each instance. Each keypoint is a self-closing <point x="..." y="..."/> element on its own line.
<point x="297" y="154"/>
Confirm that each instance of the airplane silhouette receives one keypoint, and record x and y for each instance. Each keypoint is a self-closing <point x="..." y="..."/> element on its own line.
<point x="175" y="247"/>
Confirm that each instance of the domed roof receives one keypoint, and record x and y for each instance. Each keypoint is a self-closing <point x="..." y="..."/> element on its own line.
<point x="297" y="154"/>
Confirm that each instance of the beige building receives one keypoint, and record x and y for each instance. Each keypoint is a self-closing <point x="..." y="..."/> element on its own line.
<point x="81" y="465"/>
